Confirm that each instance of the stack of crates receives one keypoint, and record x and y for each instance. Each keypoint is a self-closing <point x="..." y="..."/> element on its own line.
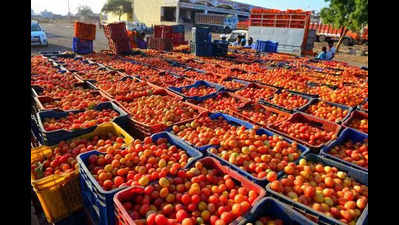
<point x="201" y="44"/>
<point x="178" y="35"/>
<point x="220" y="48"/>
<point x="161" y="44"/>
<point x="84" y="34"/>
<point x="118" y="39"/>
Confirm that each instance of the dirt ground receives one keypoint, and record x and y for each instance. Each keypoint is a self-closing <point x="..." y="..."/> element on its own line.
<point x="356" y="55"/>
<point x="60" y="36"/>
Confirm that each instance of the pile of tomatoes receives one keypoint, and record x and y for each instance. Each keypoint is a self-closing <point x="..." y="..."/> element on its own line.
<point x="222" y="102"/>
<point x="75" y="100"/>
<point x="158" y="109"/>
<point x="260" y="155"/>
<point x="323" y="188"/>
<point x="361" y="124"/>
<point x="261" y="116"/>
<point x="138" y="164"/>
<point x="126" y="90"/>
<point x="198" y="91"/>
<point x="288" y="100"/>
<point x="200" y="195"/>
<point x="80" y="120"/>
<point x="63" y="156"/>
<point x="305" y="132"/>
<point x="353" y="152"/>
<point x="326" y="111"/>
<point x="257" y="93"/>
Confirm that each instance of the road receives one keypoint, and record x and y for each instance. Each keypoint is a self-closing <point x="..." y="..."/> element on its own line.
<point x="60" y="38"/>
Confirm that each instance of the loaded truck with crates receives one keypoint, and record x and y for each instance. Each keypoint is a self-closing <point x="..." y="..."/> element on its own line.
<point x="327" y="32"/>
<point x="290" y="29"/>
<point x="218" y="23"/>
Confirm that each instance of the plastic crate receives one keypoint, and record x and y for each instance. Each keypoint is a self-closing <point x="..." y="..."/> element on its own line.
<point x="243" y="82"/>
<point x="360" y="107"/>
<point x="55" y="136"/>
<point x="201" y="49"/>
<point x="81" y="46"/>
<point x="197" y="84"/>
<point x="262" y="182"/>
<point x="201" y="35"/>
<point x="74" y="219"/>
<point x="273" y="208"/>
<point x="261" y="86"/>
<point x="358" y="175"/>
<point x="125" y="219"/>
<point x="84" y="31"/>
<point x="266" y="102"/>
<point x="266" y="46"/>
<point x="355" y="114"/>
<point x="343" y="107"/>
<point x="347" y="134"/>
<point x="311" y="120"/>
<point x="231" y="120"/>
<point x="269" y="110"/>
<point x="147" y="129"/>
<point x="59" y="195"/>
<point x="41" y="100"/>
<point x="99" y="202"/>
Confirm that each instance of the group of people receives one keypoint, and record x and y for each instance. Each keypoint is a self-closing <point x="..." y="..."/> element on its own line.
<point x="241" y="41"/>
<point x="327" y="55"/>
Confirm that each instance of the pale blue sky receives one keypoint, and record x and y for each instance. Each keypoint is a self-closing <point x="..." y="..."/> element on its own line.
<point x="61" y="6"/>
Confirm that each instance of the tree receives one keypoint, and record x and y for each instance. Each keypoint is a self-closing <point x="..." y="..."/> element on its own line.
<point x="352" y="14"/>
<point x="118" y="7"/>
<point x="84" y="11"/>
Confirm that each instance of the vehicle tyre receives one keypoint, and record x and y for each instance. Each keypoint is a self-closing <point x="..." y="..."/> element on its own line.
<point x="322" y="38"/>
<point x="227" y="30"/>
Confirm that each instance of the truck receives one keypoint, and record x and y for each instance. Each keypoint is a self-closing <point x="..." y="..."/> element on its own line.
<point x="218" y="23"/>
<point x="326" y="32"/>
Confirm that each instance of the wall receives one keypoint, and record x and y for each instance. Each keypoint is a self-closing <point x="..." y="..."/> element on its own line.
<point x="147" y="12"/>
<point x="115" y="18"/>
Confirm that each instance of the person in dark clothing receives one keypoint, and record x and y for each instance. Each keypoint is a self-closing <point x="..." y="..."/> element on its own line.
<point x="140" y="41"/>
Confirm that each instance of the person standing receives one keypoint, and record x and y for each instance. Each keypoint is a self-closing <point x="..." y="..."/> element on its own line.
<point x="331" y="51"/>
<point x="251" y="43"/>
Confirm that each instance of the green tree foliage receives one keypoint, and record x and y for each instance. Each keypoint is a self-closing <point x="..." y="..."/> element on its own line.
<point x="352" y="14"/>
<point x="84" y="11"/>
<point x="118" y="7"/>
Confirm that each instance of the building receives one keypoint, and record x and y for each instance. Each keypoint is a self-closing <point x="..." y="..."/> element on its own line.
<point x="172" y="12"/>
<point x="112" y="17"/>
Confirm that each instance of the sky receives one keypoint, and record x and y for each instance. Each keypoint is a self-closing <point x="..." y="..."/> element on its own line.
<point x="61" y="6"/>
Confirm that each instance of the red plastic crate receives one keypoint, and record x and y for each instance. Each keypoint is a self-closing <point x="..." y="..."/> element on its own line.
<point x="123" y="218"/>
<point x="311" y="120"/>
<point x="269" y="110"/>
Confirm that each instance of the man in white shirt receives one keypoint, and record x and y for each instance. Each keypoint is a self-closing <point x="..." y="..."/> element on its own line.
<point x="331" y="50"/>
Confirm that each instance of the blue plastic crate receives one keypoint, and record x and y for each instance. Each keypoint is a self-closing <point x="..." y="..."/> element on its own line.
<point x="82" y="46"/>
<point x="267" y="103"/>
<point x="202" y="49"/>
<point x="55" y="136"/>
<point x="266" y="46"/>
<point x="98" y="202"/>
<point x="343" y="107"/>
<point x="179" y="90"/>
<point x="201" y="35"/>
<point x="262" y="182"/>
<point x="358" y="175"/>
<point x="272" y="207"/>
<point x="347" y="134"/>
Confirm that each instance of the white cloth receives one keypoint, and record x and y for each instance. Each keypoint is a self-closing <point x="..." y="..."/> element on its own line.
<point x="331" y="53"/>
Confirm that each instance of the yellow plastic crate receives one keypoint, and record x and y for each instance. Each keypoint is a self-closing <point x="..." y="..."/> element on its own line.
<point x="60" y="195"/>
